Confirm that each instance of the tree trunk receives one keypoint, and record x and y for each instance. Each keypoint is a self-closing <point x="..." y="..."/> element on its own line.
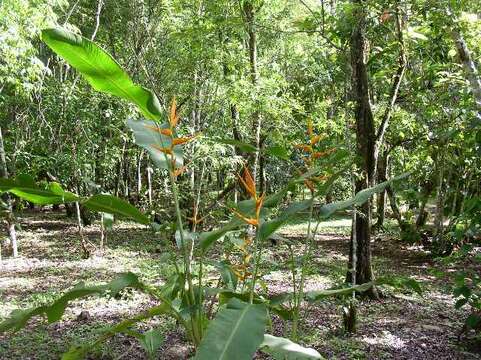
<point x="139" y="176"/>
<point x="365" y="141"/>
<point x="381" y="197"/>
<point x="149" y="183"/>
<point x="249" y="15"/>
<point x="10" y="218"/>
<point x="468" y="65"/>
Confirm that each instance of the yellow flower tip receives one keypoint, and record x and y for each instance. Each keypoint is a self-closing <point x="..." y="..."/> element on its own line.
<point x="259" y="203"/>
<point x="173" y="116"/>
<point x="319" y="178"/>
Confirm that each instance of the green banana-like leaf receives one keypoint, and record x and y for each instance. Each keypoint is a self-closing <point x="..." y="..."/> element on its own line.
<point x="400" y="282"/>
<point x="19" y="318"/>
<point x="100" y="69"/>
<point x="25" y="187"/>
<point x="284" y="349"/>
<point x="269" y="227"/>
<point x="321" y="294"/>
<point x="147" y="135"/>
<point x="360" y="198"/>
<point x="113" y="205"/>
<point x="206" y="239"/>
<point x="235" y="333"/>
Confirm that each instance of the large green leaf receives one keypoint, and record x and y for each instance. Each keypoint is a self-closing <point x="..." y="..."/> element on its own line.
<point x="284" y="349"/>
<point x="269" y="227"/>
<point x="206" y="239"/>
<point x="360" y="198"/>
<point x="235" y="333"/>
<point x="100" y="69"/>
<point x="54" y="312"/>
<point x="147" y="135"/>
<point x="113" y="205"/>
<point x="25" y="188"/>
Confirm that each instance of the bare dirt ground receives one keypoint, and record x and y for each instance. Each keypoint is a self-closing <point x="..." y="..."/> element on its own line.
<point x="402" y="325"/>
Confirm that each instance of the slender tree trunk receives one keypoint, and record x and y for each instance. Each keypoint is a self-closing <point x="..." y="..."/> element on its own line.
<point x="468" y="64"/>
<point x="439" y="218"/>
<point x="149" y="183"/>
<point x="249" y="15"/>
<point x="10" y="217"/>
<point x="381" y="197"/>
<point x="365" y="138"/>
<point x="139" y="175"/>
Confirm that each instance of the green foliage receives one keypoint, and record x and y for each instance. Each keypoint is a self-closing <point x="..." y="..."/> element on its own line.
<point x="235" y="333"/>
<point x="100" y="69"/>
<point x="151" y="341"/>
<point x="25" y="187"/>
<point x="113" y="205"/>
<point x="359" y="199"/>
<point x="19" y="318"/>
<point x="284" y="349"/>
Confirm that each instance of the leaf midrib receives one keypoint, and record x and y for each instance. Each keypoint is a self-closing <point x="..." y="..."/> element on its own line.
<point x="83" y="58"/>
<point x="244" y="311"/>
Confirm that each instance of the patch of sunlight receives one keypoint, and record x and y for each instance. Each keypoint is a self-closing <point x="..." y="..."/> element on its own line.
<point x="17" y="282"/>
<point x="281" y="281"/>
<point x="385" y="339"/>
<point x="337" y="226"/>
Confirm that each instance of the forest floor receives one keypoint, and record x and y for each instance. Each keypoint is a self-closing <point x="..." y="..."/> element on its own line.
<point x="402" y="325"/>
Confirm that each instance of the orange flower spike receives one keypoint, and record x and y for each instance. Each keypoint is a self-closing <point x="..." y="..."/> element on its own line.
<point x="320" y="154"/>
<point x="183" y="140"/>
<point x="166" y="132"/>
<point x="309" y="128"/>
<point x="173" y="116"/>
<point x="248" y="182"/>
<point x="304" y="147"/>
<point x="179" y="171"/>
<point x="249" y="221"/>
<point x="315" y="139"/>
<point x="167" y="151"/>
<point x="259" y="202"/>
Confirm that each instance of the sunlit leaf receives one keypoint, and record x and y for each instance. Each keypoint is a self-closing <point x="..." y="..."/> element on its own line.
<point x="100" y="69"/>
<point x="113" y="205"/>
<point x="284" y="349"/>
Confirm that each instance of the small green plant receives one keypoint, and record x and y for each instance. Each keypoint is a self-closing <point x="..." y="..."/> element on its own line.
<point x="468" y="294"/>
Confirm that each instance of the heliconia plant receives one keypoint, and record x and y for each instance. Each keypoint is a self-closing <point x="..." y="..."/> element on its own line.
<point x="238" y="328"/>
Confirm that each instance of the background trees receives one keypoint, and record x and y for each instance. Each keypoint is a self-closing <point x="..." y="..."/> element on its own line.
<point x="397" y="78"/>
